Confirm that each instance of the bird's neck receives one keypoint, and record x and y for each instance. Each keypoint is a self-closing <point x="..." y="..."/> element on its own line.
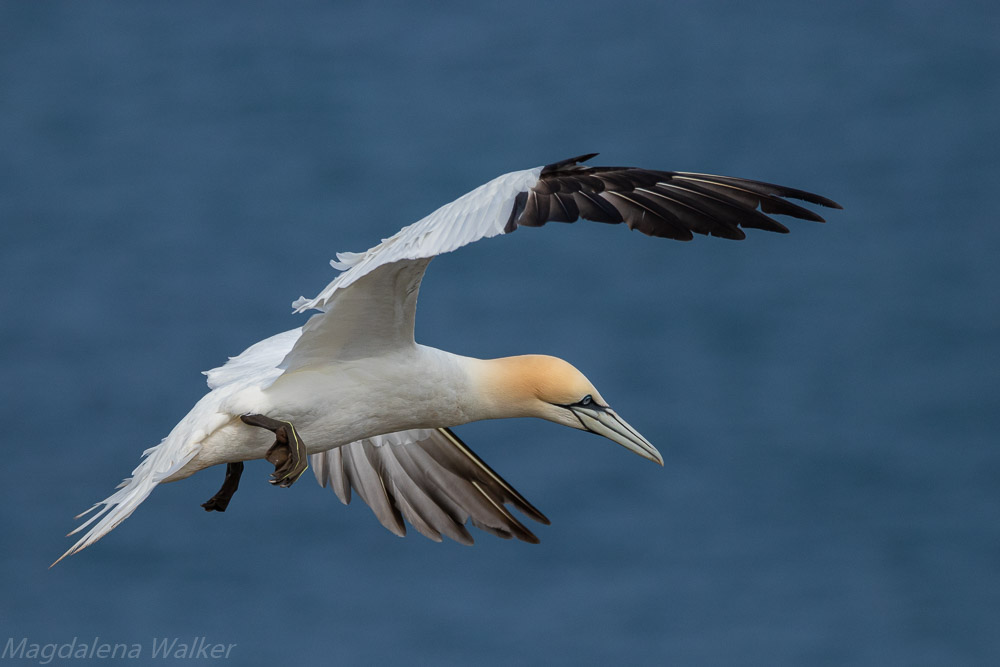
<point x="511" y="386"/>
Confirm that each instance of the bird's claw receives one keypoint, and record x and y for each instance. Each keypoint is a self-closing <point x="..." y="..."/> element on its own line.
<point x="217" y="503"/>
<point x="288" y="454"/>
<point x="287" y="467"/>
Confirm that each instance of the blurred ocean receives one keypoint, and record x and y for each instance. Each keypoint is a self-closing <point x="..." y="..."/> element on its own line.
<point x="173" y="175"/>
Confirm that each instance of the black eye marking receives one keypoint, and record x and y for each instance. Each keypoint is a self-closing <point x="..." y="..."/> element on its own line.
<point x="585" y="402"/>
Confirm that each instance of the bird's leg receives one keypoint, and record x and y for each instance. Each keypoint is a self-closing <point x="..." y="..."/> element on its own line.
<point x="288" y="453"/>
<point x="220" y="501"/>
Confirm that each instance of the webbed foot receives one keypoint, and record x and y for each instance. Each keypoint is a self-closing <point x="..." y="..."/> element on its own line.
<point x="288" y="453"/>
<point x="220" y="501"/>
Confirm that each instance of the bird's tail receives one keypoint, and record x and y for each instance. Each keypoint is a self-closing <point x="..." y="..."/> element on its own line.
<point x="158" y="463"/>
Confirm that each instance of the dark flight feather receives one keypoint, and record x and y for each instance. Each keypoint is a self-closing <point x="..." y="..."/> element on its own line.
<point x="669" y="204"/>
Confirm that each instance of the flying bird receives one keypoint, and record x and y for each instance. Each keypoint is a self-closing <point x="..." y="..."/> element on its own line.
<point x="352" y="395"/>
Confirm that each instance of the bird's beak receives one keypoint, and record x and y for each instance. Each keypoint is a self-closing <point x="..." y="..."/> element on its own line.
<point x="606" y="422"/>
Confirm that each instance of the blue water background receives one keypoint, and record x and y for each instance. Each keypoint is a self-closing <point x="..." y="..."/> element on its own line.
<point x="173" y="175"/>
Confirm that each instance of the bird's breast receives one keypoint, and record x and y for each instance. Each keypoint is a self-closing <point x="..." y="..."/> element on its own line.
<point x="343" y="402"/>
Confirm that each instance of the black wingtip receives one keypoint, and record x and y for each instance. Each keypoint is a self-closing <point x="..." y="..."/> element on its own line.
<point x="671" y="204"/>
<point x="819" y="200"/>
<point x="569" y="163"/>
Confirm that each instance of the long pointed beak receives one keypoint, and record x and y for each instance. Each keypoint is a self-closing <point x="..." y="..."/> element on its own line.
<point x="606" y="422"/>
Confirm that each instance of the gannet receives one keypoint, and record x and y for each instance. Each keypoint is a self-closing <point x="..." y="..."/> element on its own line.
<point x="353" y="395"/>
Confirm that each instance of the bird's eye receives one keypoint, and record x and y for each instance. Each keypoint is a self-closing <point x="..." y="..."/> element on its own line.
<point x="587" y="400"/>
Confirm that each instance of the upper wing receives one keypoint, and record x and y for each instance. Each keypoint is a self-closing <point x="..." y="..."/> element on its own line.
<point x="385" y="279"/>
<point x="428" y="477"/>
<point x="256" y="365"/>
<point x="377" y="312"/>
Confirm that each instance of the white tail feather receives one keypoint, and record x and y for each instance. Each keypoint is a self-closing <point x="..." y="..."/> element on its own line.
<point x="159" y="463"/>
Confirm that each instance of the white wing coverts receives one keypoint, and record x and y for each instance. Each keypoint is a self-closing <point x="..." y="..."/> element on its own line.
<point x="377" y="313"/>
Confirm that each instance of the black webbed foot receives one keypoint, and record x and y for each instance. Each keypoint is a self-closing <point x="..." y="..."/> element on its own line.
<point x="288" y="453"/>
<point x="220" y="501"/>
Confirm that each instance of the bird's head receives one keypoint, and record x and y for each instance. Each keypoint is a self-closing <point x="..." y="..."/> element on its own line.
<point x="553" y="389"/>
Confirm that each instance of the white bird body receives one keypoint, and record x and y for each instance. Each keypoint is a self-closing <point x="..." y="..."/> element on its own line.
<point x="372" y="408"/>
<point x="361" y="397"/>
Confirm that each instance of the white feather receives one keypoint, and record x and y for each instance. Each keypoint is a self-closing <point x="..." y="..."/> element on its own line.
<point x="481" y="213"/>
